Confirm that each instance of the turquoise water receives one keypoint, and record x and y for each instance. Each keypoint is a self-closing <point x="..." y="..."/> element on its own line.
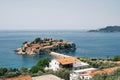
<point x="88" y="45"/>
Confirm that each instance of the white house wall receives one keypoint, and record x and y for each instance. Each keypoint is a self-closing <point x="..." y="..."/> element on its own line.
<point x="54" y="65"/>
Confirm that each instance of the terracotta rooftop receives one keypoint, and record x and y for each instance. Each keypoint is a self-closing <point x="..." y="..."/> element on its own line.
<point x="67" y="60"/>
<point x="28" y="48"/>
<point x="35" y="45"/>
<point x="27" y="77"/>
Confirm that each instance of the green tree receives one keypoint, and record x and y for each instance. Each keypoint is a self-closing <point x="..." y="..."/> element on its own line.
<point x="43" y="62"/>
<point x="40" y="65"/>
<point x="61" y="40"/>
<point x="25" y="42"/>
<point x="37" y="40"/>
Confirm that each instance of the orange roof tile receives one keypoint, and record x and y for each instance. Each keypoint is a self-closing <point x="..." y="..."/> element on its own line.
<point x="67" y="60"/>
<point x="35" y="45"/>
<point x="33" y="48"/>
<point x="28" y="48"/>
<point x="27" y="77"/>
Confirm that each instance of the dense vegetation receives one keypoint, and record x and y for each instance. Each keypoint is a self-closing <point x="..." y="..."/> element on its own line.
<point x="6" y="72"/>
<point x="36" y="70"/>
<point x="40" y="65"/>
<point x="63" y="73"/>
<point x="100" y="63"/>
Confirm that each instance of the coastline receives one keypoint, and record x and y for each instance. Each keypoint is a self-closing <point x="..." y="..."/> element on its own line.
<point x="94" y="45"/>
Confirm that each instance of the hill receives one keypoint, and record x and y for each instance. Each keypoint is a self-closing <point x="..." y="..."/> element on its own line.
<point x="107" y="29"/>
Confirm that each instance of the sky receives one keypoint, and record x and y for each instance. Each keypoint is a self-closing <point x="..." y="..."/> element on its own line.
<point x="58" y="14"/>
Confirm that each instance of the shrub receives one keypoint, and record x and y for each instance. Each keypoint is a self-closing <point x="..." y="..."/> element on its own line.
<point x="64" y="74"/>
<point x="12" y="74"/>
<point x="116" y="58"/>
<point x="3" y="71"/>
<point x="23" y="70"/>
<point x="35" y="69"/>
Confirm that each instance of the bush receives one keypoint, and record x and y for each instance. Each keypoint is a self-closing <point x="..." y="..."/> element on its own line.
<point x="12" y="74"/>
<point x="63" y="73"/>
<point x="116" y="58"/>
<point x="23" y="70"/>
<point x="100" y="77"/>
<point x="35" y="69"/>
<point x="3" y="71"/>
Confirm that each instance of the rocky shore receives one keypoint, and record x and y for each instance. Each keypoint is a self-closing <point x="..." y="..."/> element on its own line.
<point x="45" y="46"/>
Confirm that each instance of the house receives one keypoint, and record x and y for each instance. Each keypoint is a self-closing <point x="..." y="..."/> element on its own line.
<point x="83" y="74"/>
<point x="54" y="65"/>
<point x="88" y="73"/>
<point x="65" y="62"/>
<point x="80" y="65"/>
<point x="81" y="70"/>
<point x="27" y="77"/>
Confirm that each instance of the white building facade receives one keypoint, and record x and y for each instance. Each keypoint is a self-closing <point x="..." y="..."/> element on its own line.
<point x="54" y="65"/>
<point x="79" y="72"/>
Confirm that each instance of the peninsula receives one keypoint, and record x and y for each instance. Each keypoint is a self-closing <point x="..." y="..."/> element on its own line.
<point x="45" y="46"/>
<point x="107" y="29"/>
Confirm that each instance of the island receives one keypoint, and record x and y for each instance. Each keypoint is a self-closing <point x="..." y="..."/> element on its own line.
<point x="45" y="46"/>
<point x="107" y="29"/>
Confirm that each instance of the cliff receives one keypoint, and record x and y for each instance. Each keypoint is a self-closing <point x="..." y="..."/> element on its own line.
<point x="43" y="46"/>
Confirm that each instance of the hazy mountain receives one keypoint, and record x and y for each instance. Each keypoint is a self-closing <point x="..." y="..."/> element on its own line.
<point x="107" y="29"/>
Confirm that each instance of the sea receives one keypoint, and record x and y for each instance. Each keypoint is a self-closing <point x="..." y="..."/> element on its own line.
<point x="88" y="44"/>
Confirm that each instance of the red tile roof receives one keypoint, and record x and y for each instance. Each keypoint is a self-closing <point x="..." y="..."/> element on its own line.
<point x="67" y="60"/>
